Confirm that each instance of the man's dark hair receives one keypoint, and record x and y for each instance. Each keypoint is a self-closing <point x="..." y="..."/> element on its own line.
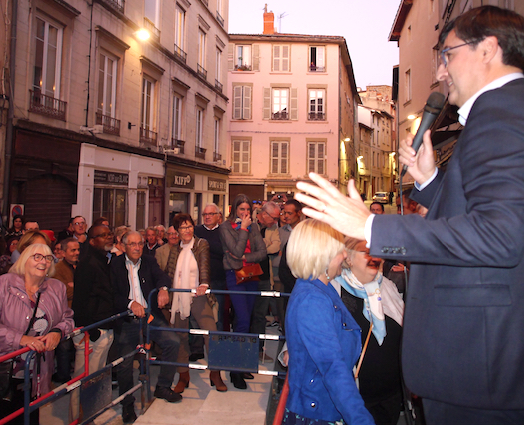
<point x="377" y="203"/>
<point x="100" y="220"/>
<point x="63" y="243"/>
<point x="91" y="231"/>
<point x="486" y="21"/>
<point x="295" y="203"/>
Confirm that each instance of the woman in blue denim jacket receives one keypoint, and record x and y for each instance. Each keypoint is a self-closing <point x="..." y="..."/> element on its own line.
<point x="324" y="341"/>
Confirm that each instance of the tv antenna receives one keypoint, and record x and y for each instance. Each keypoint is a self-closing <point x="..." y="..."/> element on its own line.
<point x="282" y="15"/>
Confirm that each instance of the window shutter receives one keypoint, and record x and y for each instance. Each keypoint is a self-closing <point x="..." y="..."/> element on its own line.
<point x="256" y="59"/>
<point x="245" y="157"/>
<point x="311" y="159"/>
<point x="230" y="54"/>
<point x="283" y="154"/>
<point x="236" y="156"/>
<point x="285" y="58"/>
<point x="237" y="102"/>
<point x="267" y="104"/>
<point x="320" y="57"/>
<point x="246" y="112"/>
<point x="274" y="157"/>
<point x="321" y="160"/>
<point x="276" y="58"/>
<point x="294" y="104"/>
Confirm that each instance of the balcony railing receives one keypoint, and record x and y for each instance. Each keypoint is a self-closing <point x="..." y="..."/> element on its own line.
<point x="218" y="86"/>
<point x="47" y="105"/>
<point x="111" y="125"/>
<point x="150" y="26"/>
<point x="220" y="19"/>
<point x="115" y="4"/>
<point x="147" y="136"/>
<point x="217" y="156"/>
<point x="315" y="68"/>
<point x="317" y="116"/>
<point x="282" y="115"/>
<point x="242" y="67"/>
<point x="201" y="71"/>
<point x="180" y="54"/>
<point x="206" y="2"/>
<point x="200" y="152"/>
<point x="178" y="144"/>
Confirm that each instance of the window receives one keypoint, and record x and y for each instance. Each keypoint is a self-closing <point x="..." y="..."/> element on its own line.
<point x="199" y="127"/>
<point x="105" y="112"/>
<point x="201" y="64"/>
<point x="316" y="105"/>
<point x="218" y="69"/>
<point x="242" y="102"/>
<point x="220" y="19"/>
<point x="151" y="11"/>
<point x="316" y="157"/>
<point x="281" y="58"/>
<point x="140" y="209"/>
<point x="48" y="53"/>
<point x="241" y="156"/>
<point x="180" y="22"/>
<point x="177" y="117"/>
<point x="110" y="203"/>
<point x="317" y="59"/>
<point x="407" y="84"/>
<point x="243" y="58"/>
<point x="147" y="112"/>
<point x="216" y="155"/>
<point x="279" y="157"/>
<point x="280" y="108"/>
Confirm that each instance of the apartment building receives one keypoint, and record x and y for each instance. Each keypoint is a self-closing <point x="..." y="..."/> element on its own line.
<point x="102" y="122"/>
<point x="293" y="110"/>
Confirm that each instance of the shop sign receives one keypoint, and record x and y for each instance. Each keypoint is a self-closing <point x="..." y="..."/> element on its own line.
<point x="108" y="177"/>
<point x="216" y="184"/>
<point x="184" y="180"/>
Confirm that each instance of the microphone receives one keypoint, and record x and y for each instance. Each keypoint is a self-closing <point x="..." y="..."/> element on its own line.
<point x="432" y="110"/>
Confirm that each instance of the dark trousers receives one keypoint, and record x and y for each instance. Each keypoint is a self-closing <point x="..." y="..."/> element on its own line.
<point x="128" y="337"/>
<point x="243" y="304"/>
<point x="260" y="309"/>
<point x="387" y="410"/>
<point x="17" y="401"/>
<point x="65" y="356"/>
<point x="438" y="413"/>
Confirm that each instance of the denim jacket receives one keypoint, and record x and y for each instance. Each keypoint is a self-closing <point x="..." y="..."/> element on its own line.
<point x="324" y="343"/>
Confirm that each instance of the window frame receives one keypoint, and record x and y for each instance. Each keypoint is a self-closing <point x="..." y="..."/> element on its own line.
<point x="313" y="64"/>
<point x="282" y="102"/>
<point x="42" y="88"/>
<point x="316" y="111"/>
<point x="102" y="79"/>
<point x="242" y="102"/>
<point x="279" y="159"/>
<point x="149" y="126"/>
<point x="237" y="165"/>
<point x="316" y="157"/>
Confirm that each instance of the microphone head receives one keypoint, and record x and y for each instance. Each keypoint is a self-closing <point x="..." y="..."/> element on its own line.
<point x="435" y="102"/>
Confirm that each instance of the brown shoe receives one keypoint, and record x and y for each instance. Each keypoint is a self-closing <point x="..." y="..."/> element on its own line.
<point x="183" y="382"/>
<point x="216" y="381"/>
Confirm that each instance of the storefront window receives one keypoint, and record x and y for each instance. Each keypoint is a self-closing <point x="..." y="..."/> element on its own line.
<point x="110" y="203"/>
<point x="178" y="203"/>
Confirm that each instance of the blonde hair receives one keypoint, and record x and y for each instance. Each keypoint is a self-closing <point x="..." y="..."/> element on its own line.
<point x="19" y="266"/>
<point x="311" y="247"/>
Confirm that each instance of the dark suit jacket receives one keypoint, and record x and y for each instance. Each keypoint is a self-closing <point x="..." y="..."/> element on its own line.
<point x="150" y="276"/>
<point x="464" y="314"/>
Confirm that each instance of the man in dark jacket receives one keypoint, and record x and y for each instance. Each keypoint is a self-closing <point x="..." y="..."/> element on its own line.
<point x="133" y="277"/>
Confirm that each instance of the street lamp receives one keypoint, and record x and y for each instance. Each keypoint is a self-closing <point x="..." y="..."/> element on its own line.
<point x="143" y="34"/>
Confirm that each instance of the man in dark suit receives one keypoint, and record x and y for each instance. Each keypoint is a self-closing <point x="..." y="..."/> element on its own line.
<point x="463" y="349"/>
<point x="133" y="277"/>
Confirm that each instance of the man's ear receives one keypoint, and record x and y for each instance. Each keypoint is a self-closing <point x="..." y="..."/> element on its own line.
<point x="92" y="242"/>
<point x="490" y="49"/>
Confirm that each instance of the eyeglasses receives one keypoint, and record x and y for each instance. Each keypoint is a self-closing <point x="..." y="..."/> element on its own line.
<point x="40" y="257"/>
<point x="135" y="244"/>
<point x="78" y="223"/>
<point x="209" y="214"/>
<point x="185" y="228"/>
<point x="273" y="217"/>
<point x="172" y="234"/>
<point x="443" y="54"/>
<point x="104" y="235"/>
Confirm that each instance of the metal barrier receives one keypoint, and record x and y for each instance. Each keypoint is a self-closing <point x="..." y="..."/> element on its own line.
<point x="228" y="351"/>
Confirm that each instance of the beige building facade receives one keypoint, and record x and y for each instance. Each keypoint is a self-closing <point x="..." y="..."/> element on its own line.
<point x="101" y="122"/>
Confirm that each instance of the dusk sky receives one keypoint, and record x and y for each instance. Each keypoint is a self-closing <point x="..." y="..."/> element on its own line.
<point x="365" y="24"/>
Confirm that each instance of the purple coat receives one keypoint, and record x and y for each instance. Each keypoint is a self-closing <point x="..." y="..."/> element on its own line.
<point x="16" y="312"/>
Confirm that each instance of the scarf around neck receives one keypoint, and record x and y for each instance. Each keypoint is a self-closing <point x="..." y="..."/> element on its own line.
<point x="184" y="279"/>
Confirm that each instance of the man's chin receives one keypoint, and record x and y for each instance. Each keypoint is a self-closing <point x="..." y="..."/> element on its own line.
<point x="108" y="248"/>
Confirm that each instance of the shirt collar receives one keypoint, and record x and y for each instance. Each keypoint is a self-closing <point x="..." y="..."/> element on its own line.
<point x="130" y="263"/>
<point x="499" y="82"/>
<point x="216" y="225"/>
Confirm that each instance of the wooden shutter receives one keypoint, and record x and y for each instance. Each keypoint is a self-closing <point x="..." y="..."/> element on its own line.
<point x="237" y="102"/>
<point x="267" y="104"/>
<point x="246" y="103"/>
<point x="276" y="58"/>
<point x="230" y="55"/>
<point x="294" y="104"/>
<point x="256" y="58"/>
<point x="285" y="58"/>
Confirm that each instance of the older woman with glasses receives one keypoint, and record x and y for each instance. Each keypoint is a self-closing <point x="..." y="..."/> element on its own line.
<point x="188" y="267"/>
<point x="34" y="314"/>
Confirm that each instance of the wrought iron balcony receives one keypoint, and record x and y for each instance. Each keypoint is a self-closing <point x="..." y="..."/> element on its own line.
<point x="218" y="86"/>
<point x="147" y="136"/>
<point x="47" y="105"/>
<point x="317" y="116"/>
<point x="217" y="156"/>
<point x="200" y="152"/>
<point x="117" y="5"/>
<point x="180" y="54"/>
<point x="315" y="68"/>
<point x="282" y="115"/>
<point x="178" y="144"/>
<point x="201" y="71"/>
<point x="220" y="19"/>
<point x="111" y="125"/>
<point x="150" y="26"/>
<point x="206" y="2"/>
<point x="242" y="67"/>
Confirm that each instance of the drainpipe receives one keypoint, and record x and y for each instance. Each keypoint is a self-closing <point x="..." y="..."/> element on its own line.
<point x="9" y="142"/>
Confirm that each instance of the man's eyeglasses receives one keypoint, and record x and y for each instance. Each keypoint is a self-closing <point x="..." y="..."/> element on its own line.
<point x="40" y="257"/>
<point x="135" y="244"/>
<point x="209" y="214"/>
<point x="274" y="218"/>
<point x="78" y="223"/>
<point x="444" y="53"/>
<point x="103" y="235"/>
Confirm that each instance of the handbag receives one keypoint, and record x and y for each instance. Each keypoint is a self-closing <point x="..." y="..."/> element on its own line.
<point x="6" y="368"/>
<point x="248" y="273"/>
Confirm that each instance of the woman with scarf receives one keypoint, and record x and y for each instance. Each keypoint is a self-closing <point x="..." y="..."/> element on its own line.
<point x="243" y="247"/>
<point x="34" y="314"/>
<point x="188" y="266"/>
<point x="375" y="303"/>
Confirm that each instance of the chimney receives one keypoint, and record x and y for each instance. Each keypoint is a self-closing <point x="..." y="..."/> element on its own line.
<point x="269" y="21"/>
